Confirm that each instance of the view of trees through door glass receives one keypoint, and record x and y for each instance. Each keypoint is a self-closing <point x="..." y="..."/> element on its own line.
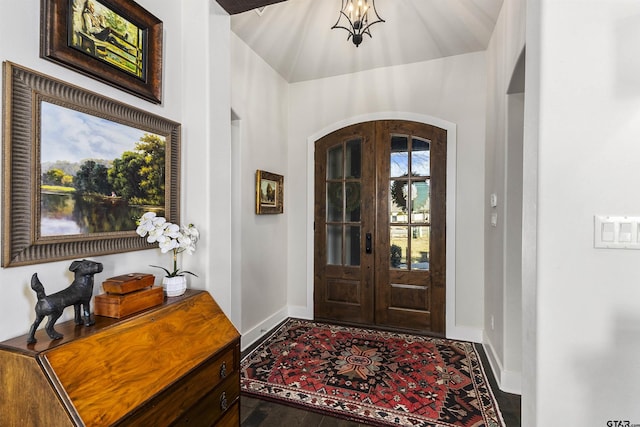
<point x="410" y="203"/>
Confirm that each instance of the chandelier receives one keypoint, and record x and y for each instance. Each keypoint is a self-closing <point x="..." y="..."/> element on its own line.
<point x="356" y="14"/>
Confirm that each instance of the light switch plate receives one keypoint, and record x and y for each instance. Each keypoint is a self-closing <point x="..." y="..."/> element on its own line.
<point x="616" y="232"/>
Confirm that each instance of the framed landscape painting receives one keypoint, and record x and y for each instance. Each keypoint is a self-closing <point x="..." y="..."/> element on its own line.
<point x="80" y="173"/>
<point x="115" y="41"/>
<point x="269" y="193"/>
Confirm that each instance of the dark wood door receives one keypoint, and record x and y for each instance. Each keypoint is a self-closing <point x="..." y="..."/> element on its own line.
<point x="344" y="220"/>
<point x="397" y="231"/>
<point x="410" y="261"/>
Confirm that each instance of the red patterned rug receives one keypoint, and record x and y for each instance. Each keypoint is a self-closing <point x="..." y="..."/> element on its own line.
<point x="370" y="376"/>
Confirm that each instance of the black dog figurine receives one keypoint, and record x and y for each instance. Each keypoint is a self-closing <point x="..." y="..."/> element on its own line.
<point x="77" y="294"/>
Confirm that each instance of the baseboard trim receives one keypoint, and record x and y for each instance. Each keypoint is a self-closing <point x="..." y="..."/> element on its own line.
<point x="463" y="333"/>
<point x="511" y="382"/>
<point x="301" y="312"/>
<point x="508" y="381"/>
<point x="257" y="332"/>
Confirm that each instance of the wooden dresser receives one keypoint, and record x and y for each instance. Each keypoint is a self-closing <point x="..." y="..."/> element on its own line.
<point x="175" y="364"/>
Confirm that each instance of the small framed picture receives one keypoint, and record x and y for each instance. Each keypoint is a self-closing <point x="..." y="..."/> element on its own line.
<point x="269" y="193"/>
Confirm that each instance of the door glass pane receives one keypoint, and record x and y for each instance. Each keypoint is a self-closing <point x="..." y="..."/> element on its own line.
<point x="344" y="169"/>
<point x="352" y="249"/>
<point x="353" y="159"/>
<point x="420" y="248"/>
<point x="399" y="237"/>
<point x="334" y="244"/>
<point x="421" y="201"/>
<point x="398" y="192"/>
<point x="334" y="162"/>
<point x="399" y="156"/>
<point x="352" y="202"/>
<point x="334" y="201"/>
<point x="420" y="157"/>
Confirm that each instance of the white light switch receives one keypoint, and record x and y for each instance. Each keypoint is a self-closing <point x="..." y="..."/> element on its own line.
<point x="608" y="232"/>
<point x="494" y="219"/>
<point x="493" y="200"/>
<point x="617" y="232"/>
<point x="624" y="234"/>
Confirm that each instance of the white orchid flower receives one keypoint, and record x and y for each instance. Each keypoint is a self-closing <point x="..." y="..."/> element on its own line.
<point x="172" y="231"/>
<point x="184" y="241"/>
<point x="159" y="222"/>
<point x="187" y="244"/>
<point x="169" y="237"/>
<point x="145" y="224"/>
<point x="142" y="230"/>
<point x="156" y="235"/>
<point x="148" y="216"/>
<point x="168" y="245"/>
<point x="192" y="231"/>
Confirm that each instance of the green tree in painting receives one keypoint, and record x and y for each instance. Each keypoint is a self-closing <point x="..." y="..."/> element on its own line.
<point x="138" y="175"/>
<point x="124" y="175"/>
<point x="152" y="171"/>
<point x="92" y="178"/>
<point x="67" y="181"/>
<point x="57" y="177"/>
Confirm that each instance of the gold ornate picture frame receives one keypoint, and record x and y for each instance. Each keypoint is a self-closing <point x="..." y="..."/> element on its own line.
<point x="36" y="109"/>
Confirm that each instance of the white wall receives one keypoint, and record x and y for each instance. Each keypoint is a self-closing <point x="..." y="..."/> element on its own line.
<point x="513" y="244"/>
<point x="450" y="89"/>
<point x="584" y="58"/>
<point x="259" y="102"/>
<point x="204" y="58"/>
<point x="192" y="103"/>
<point x="503" y="178"/>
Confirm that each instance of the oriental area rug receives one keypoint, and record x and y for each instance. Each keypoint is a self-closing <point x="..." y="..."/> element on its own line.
<point x="371" y="376"/>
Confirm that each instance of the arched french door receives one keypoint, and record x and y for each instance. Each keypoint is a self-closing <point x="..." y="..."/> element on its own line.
<point x="380" y="215"/>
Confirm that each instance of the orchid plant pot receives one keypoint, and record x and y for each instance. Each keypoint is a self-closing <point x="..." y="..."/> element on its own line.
<point x="174" y="286"/>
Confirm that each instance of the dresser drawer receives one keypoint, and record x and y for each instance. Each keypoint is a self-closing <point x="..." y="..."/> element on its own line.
<point x="213" y="406"/>
<point x="231" y="418"/>
<point x="222" y="367"/>
<point x="178" y="400"/>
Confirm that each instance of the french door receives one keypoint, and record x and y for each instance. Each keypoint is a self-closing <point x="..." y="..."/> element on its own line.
<point x="380" y="210"/>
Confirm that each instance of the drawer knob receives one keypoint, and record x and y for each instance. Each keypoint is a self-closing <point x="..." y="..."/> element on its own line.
<point x="223" y="370"/>
<point x="223" y="401"/>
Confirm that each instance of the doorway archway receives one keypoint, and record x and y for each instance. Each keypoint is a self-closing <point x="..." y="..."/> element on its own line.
<point x="452" y="329"/>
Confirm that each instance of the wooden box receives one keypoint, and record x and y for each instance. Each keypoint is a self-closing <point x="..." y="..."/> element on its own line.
<point x="128" y="283"/>
<point x="176" y="364"/>
<point x="114" y="305"/>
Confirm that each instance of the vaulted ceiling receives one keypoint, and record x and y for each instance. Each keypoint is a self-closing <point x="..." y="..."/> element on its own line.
<point x="296" y="39"/>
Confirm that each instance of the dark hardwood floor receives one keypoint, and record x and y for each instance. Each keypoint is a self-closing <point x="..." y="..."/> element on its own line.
<point x="508" y="403"/>
<point x="262" y="413"/>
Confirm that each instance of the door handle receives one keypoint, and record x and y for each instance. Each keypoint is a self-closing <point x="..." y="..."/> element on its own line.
<point x="367" y="244"/>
